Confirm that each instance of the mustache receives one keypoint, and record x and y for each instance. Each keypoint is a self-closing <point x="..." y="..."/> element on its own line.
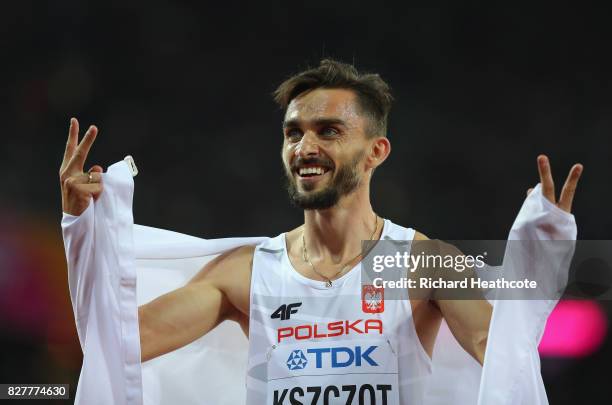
<point x="320" y="161"/>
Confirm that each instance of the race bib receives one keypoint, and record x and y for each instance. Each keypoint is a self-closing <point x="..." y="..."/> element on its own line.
<point x="348" y="372"/>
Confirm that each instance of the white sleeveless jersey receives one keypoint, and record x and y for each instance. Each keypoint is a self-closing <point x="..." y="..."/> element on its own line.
<point x="344" y="344"/>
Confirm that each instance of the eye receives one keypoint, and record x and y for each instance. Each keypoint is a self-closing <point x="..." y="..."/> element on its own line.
<point x="329" y="131"/>
<point x="293" y="134"/>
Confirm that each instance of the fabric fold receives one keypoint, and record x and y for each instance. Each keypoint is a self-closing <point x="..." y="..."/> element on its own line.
<point x="511" y="371"/>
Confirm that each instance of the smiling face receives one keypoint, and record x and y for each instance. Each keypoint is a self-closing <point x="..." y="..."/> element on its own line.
<point x="325" y="147"/>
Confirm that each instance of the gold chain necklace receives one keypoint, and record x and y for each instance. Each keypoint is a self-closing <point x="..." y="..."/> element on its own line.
<point x="328" y="281"/>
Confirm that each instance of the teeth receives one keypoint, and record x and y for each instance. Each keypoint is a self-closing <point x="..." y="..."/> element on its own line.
<point x="311" y="170"/>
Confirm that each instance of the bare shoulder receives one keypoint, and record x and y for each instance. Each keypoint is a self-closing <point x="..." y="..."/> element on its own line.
<point x="230" y="274"/>
<point x="239" y="256"/>
<point x="435" y="245"/>
<point x="227" y="265"/>
<point x="423" y="243"/>
<point x="420" y="236"/>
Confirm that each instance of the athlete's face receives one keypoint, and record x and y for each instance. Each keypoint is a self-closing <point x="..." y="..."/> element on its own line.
<point x="324" y="147"/>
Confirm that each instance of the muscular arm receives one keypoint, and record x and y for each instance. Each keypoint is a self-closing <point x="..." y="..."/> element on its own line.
<point x="469" y="322"/>
<point x="468" y="319"/>
<point x="220" y="291"/>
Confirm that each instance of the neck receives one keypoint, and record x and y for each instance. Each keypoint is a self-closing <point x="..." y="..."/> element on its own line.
<point x="335" y="234"/>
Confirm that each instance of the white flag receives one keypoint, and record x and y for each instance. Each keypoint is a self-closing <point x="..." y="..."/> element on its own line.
<point x="114" y="266"/>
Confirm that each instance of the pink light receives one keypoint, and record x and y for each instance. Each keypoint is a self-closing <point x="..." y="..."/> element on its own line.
<point x="574" y="329"/>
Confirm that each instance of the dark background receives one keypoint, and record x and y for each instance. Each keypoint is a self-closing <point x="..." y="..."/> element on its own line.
<point x="184" y="87"/>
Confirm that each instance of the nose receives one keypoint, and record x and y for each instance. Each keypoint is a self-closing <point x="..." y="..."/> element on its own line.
<point x="308" y="145"/>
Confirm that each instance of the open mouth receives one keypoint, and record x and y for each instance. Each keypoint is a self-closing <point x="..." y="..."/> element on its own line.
<point x="312" y="171"/>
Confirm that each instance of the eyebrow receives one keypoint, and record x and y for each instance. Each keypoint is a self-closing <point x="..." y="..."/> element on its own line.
<point x="319" y="122"/>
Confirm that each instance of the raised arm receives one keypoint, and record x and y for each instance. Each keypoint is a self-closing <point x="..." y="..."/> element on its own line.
<point x="220" y="291"/>
<point x="469" y="320"/>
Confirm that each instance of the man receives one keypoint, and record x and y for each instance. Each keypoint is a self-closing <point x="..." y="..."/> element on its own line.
<point x="298" y="296"/>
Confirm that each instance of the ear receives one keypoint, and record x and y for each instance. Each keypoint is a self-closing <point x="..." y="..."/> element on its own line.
<point x="381" y="147"/>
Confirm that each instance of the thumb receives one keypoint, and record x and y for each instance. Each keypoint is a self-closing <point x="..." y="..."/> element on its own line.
<point x="96" y="169"/>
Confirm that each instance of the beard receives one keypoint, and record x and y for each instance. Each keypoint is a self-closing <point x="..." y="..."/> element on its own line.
<point x="343" y="183"/>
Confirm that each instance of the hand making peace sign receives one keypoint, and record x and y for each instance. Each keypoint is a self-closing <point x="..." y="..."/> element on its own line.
<point x="78" y="188"/>
<point x="548" y="186"/>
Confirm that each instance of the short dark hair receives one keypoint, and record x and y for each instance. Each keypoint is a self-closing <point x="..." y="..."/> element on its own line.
<point x="373" y="93"/>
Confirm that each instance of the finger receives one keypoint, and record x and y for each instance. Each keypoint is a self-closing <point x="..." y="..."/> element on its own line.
<point x="529" y="191"/>
<point x="71" y="143"/>
<point x="81" y="152"/>
<point x="569" y="188"/>
<point x="96" y="168"/>
<point x="84" y="178"/>
<point x="93" y="190"/>
<point x="93" y="177"/>
<point x="548" y="186"/>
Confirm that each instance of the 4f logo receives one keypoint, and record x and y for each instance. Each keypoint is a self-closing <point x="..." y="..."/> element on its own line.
<point x="372" y="299"/>
<point x="284" y="311"/>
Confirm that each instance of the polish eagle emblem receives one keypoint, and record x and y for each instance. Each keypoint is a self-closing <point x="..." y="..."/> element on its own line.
<point x="372" y="299"/>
